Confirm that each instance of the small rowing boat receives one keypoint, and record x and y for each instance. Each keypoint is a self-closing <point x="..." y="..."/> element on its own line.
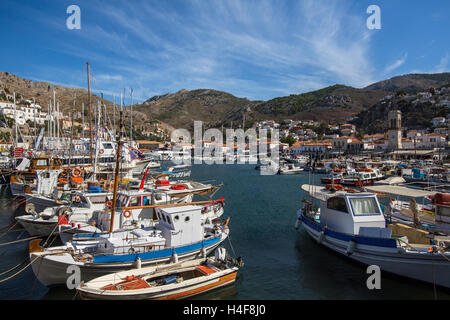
<point x="174" y="281"/>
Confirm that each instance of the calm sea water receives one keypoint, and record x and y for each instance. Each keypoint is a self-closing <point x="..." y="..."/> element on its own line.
<point x="281" y="263"/>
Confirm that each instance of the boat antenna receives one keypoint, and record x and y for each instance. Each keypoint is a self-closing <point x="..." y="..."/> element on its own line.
<point x="116" y="174"/>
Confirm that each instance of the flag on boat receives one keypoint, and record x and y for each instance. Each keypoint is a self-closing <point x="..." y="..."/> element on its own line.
<point x="136" y="154"/>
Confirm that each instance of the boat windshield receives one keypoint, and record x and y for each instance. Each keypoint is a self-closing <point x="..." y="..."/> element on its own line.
<point x="122" y="201"/>
<point x="364" y="206"/>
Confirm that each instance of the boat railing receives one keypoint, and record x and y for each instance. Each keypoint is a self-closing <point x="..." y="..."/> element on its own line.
<point x="157" y="206"/>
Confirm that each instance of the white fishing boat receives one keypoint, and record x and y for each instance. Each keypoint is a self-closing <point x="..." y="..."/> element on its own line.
<point x="290" y="169"/>
<point x="173" y="281"/>
<point x="134" y="209"/>
<point x="180" y="234"/>
<point x="353" y="224"/>
<point x="79" y="209"/>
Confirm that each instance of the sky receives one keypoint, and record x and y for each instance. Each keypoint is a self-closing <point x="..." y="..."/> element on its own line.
<point x="257" y="49"/>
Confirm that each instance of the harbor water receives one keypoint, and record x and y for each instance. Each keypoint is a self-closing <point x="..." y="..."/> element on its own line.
<point x="281" y="263"/>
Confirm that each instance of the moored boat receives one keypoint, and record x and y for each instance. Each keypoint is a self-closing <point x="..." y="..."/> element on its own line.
<point x="352" y="224"/>
<point x="174" y="281"/>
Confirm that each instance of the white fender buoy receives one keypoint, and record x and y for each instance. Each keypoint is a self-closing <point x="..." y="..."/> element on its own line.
<point x="351" y="247"/>
<point x="174" y="257"/>
<point x="321" y="236"/>
<point x="203" y="252"/>
<point x="297" y="223"/>
<point x="138" y="263"/>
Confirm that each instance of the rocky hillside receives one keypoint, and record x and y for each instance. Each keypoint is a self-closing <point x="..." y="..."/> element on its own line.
<point x="411" y="82"/>
<point x="333" y="104"/>
<point x="216" y="108"/>
<point x="417" y="110"/>
<point x="43" y="91"/>
<point x="180" y="109"/>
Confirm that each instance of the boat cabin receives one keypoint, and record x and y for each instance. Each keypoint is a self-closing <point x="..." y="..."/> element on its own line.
<point x="180" y="225"/>
<point x="347" y="213"/>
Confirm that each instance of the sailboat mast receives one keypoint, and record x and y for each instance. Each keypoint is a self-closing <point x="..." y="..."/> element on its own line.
<point x="131" y="118"/>
<point x="116" y="173"/>
<point x="89" y="115"/>
<point x="114" y="113"/>
<point x="15" y="121"/>
<point x="82" y="118"/>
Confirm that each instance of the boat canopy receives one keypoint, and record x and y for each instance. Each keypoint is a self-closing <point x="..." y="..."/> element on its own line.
<point x="400" y="191"/>
<point x="392" y="181"/>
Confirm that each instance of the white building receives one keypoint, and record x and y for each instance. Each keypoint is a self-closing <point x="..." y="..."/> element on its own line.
<point x="438" y="121"/>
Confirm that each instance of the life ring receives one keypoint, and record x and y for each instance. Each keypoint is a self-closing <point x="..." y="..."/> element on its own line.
<point x="101" y="151"/>
<point x="108" y="204"/>
<point x="127" y="213"/>
<point x="76" y="172"/>
<point x="178" y="187"/>
<point x="63" y="180"/>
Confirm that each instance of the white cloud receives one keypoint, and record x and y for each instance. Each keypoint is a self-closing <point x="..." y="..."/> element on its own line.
<point x="443" y="64"/>
<point x="254" y="48"/>
<point x="396" y="64"/>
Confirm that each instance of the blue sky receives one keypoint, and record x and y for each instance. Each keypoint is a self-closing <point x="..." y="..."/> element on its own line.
<point x="258" y="49"/>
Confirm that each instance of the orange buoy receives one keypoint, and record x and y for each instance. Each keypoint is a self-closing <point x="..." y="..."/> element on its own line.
<point x="127" y="213"/>
<point x="77" y="179"/>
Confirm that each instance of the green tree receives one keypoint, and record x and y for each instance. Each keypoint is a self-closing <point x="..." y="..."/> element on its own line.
<point x="288" y="139"/>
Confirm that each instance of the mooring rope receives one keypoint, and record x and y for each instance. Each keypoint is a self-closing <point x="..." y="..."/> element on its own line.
<point x="18" y="272"/>
<point x="13" y="268"/>
<point x="5" y="232"/>
<point x="16" y="241"/>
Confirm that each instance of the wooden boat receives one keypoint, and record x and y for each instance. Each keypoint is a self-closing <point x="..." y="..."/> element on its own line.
<point x="175" y="281"/>
<point x="353" y="225"/>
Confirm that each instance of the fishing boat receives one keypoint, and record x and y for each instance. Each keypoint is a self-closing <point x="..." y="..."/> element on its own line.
<point x="179" y="234"/>
<point x="406" y="205"/>
<point x="334" y="177"/>
<point x="353" y="225"/>
<point x="174" y="281"/>
<point x="357" y="179"/>
<point x="290" y="169"/>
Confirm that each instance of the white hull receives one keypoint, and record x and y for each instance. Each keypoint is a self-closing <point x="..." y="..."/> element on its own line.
<point x="52" y="269"/>
<point x="38" y="227"/>
<point x="422" y="266"/>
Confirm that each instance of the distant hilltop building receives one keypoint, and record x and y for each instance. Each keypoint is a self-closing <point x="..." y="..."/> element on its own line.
<point x="395" y="130"/>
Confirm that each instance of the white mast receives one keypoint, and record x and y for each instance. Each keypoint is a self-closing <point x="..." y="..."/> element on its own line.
<point x="97" y="138"/>
<point x="53" y="117"/>
<point x="114" y="113"/>
<point x="131" y="118"/>
<point x="15" y="121"/>
<point x="82" y="118"/>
